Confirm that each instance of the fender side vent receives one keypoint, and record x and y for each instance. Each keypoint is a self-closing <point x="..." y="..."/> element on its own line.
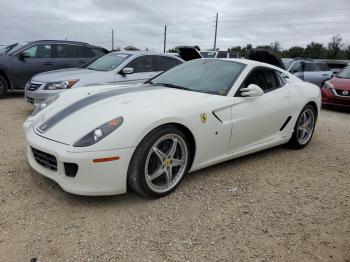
<point x="216" y="117"/>
<point x="286" y="123"/>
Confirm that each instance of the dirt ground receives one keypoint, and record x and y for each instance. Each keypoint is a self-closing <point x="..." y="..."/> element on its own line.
<point x="276" y="205"/>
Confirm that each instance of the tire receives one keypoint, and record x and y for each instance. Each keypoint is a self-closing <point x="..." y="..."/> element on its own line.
<point x="157" y="166"/>
<point x="304" y="128"/>
<point x="3" y="86"/>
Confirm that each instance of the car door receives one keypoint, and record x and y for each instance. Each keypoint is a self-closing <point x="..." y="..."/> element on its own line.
<point x="143" y="70"/>
<point x="37" y="58"/>
<point x="259" y="119"/>
<point x="68" y="56"/>
<point x="312" y="73"/>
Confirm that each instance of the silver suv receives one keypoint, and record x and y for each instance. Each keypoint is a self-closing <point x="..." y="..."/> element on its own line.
<point x="125" y="67"/>
<point x="310" y="71"/>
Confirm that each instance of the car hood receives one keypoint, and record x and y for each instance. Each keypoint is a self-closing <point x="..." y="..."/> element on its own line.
<point x="69" y="74"/>
<point x="94" y="107"/>
<point x="341" y="83"/>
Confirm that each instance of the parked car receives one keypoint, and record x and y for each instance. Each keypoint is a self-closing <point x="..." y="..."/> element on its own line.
<point x="19" y="62"/>
<point x="336" y="92"/>
<point x="117" y="67"/>
<point x="219" y="54"/>
<point x="310" y="71"/>
<point x="148" y="137"/>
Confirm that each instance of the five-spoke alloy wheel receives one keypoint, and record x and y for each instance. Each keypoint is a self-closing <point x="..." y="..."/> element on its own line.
<point x="304" y="128"/>
<point x="159" y="162"/>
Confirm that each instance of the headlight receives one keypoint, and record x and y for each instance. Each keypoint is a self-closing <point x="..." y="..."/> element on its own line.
<point x="44" y="104"/>
<point x="328" y="85"/>
<point x="60" y="84"/>
<point x="99" y="133"/>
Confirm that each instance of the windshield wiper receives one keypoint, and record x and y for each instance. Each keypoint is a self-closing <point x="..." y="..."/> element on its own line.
<point x="172" y="86"/>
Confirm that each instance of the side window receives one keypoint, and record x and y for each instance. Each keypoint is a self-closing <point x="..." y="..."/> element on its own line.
<point x="39" y="51"/>
<point x="281" y="78"/>
<point x="311" y="67"/>
<point x="256" y="77"/>
<point x="85" y="52"/>
<point x="164" y="63"/>
<point x="99" y="52"/>
<point x="266" y="79"/>
<point x="296" y="68"/>
<point x="142" y="64"/>
<point x="67" y="51"/>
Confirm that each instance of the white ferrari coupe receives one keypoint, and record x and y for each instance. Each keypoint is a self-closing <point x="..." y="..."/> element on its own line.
<point x="100" y="140"/>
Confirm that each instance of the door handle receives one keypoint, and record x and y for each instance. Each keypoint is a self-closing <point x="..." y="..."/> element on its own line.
<point x="48" y="63"/>
<point x="82" y="62"/>
<point x="325" y="75"/>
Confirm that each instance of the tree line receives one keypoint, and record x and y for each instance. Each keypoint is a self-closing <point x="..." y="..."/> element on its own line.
<point x="335" y="49"/>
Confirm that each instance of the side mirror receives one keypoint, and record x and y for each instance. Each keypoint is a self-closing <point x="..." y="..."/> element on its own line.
<point x="127" y="71"/>
<point x="23" y="55"/>
<point x="252" y="91"/>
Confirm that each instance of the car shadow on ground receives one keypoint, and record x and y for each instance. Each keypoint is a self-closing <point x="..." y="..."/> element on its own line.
<point x="133" y="199"/>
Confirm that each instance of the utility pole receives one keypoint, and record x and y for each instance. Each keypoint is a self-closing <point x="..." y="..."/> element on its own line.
<point x="216" y="30"/>
<point x="112" y="39"/>
<point x="164" y="38"/>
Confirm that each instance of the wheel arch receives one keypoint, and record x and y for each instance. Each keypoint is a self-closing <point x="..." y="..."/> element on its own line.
<point x="181" y="126"/>
<point x="314" y="105"/>
<point x="7" y="78"/>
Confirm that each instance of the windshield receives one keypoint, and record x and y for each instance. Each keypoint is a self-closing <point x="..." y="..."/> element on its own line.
<point x="13" y="48"/>
<point x="108" y="62"/>
<point x="286" y="63"/>
<point x="211" y="76"/>
<point x="345" y="73"/>
<point x="208" y="54"/>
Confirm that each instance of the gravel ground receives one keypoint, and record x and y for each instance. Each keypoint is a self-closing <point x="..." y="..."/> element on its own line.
<point x="276" y="205"/>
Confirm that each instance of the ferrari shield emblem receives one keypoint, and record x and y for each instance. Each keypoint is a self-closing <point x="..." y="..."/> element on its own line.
<point x="204" y="118"/>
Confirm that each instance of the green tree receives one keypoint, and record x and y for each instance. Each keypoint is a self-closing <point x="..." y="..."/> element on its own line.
<point x="296" y="51"/>
<point x="347" y="52"/>
<point x="315" y="50"/>
<point x="335" y="46"/>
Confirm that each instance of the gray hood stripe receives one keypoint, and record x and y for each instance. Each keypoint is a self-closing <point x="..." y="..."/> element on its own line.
<point x="88" y="101"/>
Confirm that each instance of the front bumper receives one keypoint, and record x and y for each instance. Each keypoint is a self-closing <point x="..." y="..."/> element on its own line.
<point x="38" y="96"/>
<point x="332" y="100"/>
<point x="107" y="178"/>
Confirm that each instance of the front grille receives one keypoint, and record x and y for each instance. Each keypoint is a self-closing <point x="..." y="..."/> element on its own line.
<point x="45" y="159"/>
<point x="33" y="86"/>
<point x="340" y="93"/>
<point x="30" y="100"/>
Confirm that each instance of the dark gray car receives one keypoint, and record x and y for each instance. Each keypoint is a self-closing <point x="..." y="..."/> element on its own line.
<point x="19" y="62"/>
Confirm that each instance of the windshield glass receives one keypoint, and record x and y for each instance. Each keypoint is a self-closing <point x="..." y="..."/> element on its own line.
<point x="202" y="75"/>
<point x="286" y="63"/>
<point x="208" y="54"/>
<point x="345" y="73"/>
<point x="108" y="62"/>
<point x="13" y="48"/>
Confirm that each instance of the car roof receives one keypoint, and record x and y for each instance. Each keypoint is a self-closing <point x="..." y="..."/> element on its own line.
<point x="63" y="41"/>
<point x="247" y="62"/>
<point x="140" y="52"/>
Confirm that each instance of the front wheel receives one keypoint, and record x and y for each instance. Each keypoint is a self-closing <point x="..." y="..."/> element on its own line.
<point x="159" y="162"/>
<point x="304" y="128"/>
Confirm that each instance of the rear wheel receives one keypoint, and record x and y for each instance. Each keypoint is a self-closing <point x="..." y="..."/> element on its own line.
<point x="304" y="128"/>
<point x="3" y="86"/>
<point x="159" y="162"/>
